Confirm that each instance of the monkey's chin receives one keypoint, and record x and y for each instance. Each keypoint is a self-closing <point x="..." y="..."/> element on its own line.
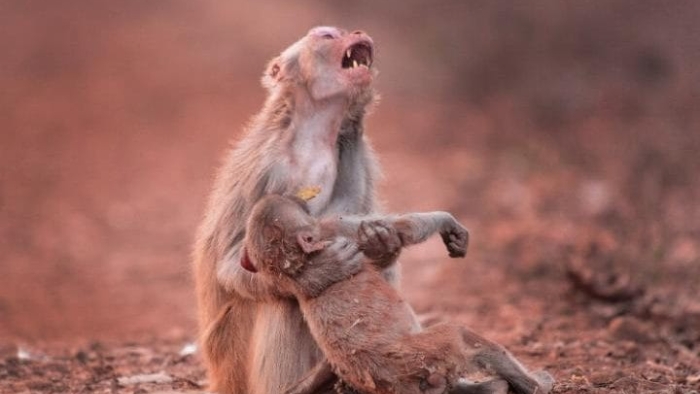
<point x="344" y="88"/>
<point x="357" y="81"/>
<point x="360" y="77"/>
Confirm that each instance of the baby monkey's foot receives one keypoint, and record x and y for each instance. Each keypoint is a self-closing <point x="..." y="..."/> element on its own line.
<point x="544" y="380"/>
<point x="493" y="386"/>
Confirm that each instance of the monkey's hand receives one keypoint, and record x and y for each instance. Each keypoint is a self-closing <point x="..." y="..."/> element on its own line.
<point x="334" y="263"/>
<point x="455" y="237"/>
<point x="380" y="241"/>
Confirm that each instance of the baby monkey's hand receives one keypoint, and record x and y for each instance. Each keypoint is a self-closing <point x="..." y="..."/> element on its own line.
<point x="455" y="237"/>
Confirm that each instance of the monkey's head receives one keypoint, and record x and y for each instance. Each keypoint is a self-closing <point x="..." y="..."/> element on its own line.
<point x="280" y="234"/>
<point x="328" y="61"/>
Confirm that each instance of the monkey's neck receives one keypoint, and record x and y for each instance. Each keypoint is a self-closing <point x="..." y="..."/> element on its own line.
<point x="316" y="122"/>
<point x="308" y="148"/>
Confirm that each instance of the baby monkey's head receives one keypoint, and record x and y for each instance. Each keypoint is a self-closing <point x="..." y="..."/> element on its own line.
<point x="328" y="61"/>
<point x="280" y="234"/>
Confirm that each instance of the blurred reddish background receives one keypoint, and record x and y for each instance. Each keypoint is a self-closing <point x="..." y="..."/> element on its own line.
<point x="543" y="125"/>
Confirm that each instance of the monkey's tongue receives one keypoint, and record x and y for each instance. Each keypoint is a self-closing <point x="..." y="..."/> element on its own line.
<point x="246" y="263"/>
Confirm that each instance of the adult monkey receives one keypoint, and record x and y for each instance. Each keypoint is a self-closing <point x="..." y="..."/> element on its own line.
<point x="309" y="134"/>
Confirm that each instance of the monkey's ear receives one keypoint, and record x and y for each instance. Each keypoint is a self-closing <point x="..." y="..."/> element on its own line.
<point x="308" y="242"/>
<point x="273" y="73"/>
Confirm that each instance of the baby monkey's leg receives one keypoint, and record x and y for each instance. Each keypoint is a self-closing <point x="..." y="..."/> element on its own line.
<point x="497" y="359"/>
<point x="460" y="348"/>
<point x="493" y="386"/>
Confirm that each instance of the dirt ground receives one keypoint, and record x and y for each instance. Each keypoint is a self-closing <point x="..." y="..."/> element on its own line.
<point x="566" y="137"/>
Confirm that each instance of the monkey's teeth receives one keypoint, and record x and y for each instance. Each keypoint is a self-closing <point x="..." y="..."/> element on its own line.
<point x="348" y="53"/>
<point x="354" y="63"/>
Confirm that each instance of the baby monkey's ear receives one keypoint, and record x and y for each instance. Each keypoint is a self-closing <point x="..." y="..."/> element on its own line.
<point x="308" y="242"/>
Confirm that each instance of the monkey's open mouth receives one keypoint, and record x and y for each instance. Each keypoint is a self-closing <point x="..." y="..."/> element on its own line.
<point x="359" y="54"/>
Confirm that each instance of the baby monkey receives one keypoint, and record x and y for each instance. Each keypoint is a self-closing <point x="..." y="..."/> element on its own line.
<point x="360" y="322"/>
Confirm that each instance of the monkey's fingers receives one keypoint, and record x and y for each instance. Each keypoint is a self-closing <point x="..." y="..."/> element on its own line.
<point x="373" y="230"/>
<point x="384" y="234"/>
<point x="363" y="232"/>
<point x="378" y="239"/>
<point x="367" y="237"/>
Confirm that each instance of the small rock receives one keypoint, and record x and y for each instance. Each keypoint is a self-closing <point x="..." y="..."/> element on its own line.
<point x="24" y="354"/>
<point x="188" y="349"/>
<point x="160" y="377"/>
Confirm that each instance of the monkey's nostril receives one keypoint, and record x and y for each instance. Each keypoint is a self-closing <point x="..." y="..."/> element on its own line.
<point x="358" y="32"/>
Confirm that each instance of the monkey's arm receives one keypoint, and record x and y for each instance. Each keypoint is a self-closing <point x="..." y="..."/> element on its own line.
<point x="338" y="260"/>
<point x="232" y="276"/>
<point x="353" y="193"/>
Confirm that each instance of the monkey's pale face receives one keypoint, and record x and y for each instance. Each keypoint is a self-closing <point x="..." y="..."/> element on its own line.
<point x="329" y="61"/>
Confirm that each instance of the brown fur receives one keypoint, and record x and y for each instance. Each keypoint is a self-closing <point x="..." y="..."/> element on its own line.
<point x="364" y="327"/>
<point x="309" y="133"/>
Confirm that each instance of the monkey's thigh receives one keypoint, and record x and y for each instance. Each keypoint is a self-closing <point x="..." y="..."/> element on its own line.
<point x="282" y="348"/>
<point x="225" y="347"/>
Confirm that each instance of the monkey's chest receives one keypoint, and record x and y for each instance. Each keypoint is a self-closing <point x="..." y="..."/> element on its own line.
<point x="314" y="171"/>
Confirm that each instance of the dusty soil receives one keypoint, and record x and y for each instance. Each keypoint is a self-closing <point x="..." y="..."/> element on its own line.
<point x="566" y="139"/>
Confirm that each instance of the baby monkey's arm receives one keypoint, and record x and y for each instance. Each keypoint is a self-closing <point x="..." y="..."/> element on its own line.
<point x="372" y="233"/>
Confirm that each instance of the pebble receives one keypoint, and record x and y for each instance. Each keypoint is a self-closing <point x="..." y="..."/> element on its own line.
<point x="160" y="377"/>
